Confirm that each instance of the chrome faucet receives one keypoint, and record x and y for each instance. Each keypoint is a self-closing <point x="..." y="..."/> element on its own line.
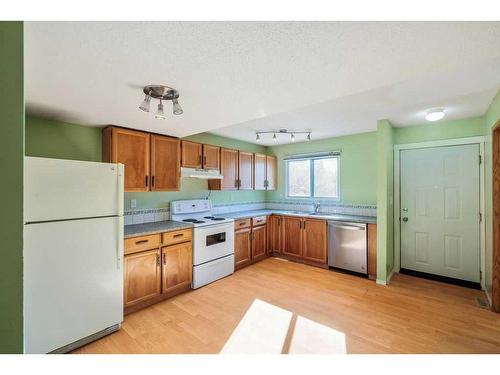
<point x="316" y="205"/>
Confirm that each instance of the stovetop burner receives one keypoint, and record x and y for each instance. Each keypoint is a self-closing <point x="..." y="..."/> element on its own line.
<point x="214" y="218"/>
<point x="194" y="221"/>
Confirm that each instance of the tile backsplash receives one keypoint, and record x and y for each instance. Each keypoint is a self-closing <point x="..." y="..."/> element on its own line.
<point x="161" y="214"/>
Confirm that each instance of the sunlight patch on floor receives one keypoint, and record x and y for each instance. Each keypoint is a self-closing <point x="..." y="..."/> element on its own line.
<point x="268" y="329"/>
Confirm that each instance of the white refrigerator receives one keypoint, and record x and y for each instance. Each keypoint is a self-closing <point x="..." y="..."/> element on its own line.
<point x="73" y="253"/>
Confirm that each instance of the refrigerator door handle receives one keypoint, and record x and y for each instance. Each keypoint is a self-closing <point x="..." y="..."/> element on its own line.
<point x="120" y="240"/>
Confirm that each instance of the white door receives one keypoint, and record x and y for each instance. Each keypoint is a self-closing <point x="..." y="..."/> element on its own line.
<point x="440" y="225"/>
<point x="73" y="281"/>
<point x="57" y="189"/>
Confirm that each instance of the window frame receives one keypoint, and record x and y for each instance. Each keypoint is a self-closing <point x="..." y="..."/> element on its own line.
<point x="311" y="177"/>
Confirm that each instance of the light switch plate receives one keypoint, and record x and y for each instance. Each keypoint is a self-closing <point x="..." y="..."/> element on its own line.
<point x="133" y="203"/>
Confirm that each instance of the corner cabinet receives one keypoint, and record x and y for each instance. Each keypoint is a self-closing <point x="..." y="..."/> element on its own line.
<point x="152" y="162"/>
<point x="250" y="241"/>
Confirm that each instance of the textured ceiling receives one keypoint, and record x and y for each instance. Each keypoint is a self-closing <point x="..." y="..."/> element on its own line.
<point x="235" y="77"/>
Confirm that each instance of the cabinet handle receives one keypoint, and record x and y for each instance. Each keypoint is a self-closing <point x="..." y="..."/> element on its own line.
<point x="141" y="241"/>
<point x="157" y="259"/>
<point x="304" y="227"/>
<point x="153" y="181"/>
<point x="164" y="256"/>
<point x="146" y="180"/>
<point x="178" y="235"/>
<point x="204" y="159"/>
<point x="199" y="159"/>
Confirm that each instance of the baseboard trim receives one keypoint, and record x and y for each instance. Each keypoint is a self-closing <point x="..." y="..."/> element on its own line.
<point x="390" y="277"/>
<point x="488" y="296"/>
<point x="381" y="282"/>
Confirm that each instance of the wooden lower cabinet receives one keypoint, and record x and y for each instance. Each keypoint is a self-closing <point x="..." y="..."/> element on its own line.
<point x="314" y="240"/>
<point x="177" y="266"/>
<point x="242" y="247"/>
<point x="292" y="236"/>
<point x="259" y="239"/>
<point x="142" y="276"/>
<point x="274" y="234"/>
<point x="372" y="251"/>
<point x="151" y="275"/>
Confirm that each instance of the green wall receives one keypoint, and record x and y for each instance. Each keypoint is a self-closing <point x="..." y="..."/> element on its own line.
<point x="385" y="198"/>
<point x="358" y="161"/>
<point x="55" y="139"/>
<point x="11" y="188"/>
<point x="491" y="118"/>
<point x="468" y="127"/>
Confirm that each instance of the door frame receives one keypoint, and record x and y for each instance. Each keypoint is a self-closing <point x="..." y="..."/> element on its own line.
<point x="397" y="194"/>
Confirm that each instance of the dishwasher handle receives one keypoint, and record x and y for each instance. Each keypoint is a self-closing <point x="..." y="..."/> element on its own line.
<point x="348" y="226"/>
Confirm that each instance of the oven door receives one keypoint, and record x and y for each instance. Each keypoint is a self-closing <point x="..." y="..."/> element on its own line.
<point x="213" y="242"/>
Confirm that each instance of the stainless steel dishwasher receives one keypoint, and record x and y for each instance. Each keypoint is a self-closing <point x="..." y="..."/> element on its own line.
<point x="347" y="247"/>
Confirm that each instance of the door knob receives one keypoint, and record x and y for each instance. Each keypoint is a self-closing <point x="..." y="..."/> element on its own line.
<point x="405" y="219"/>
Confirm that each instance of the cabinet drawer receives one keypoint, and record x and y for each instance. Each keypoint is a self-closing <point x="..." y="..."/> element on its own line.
<point x="242" y="223"/>
<point x="259" y="220"/>
<point x="136" y="244"/>
<point x="177" y="236"/>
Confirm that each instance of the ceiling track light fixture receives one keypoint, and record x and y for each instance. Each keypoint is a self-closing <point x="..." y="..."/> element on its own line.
<point x="161" y="93"/>
<point x="282" y="131"/>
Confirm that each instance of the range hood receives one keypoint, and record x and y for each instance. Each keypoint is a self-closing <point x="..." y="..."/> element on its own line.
<point x="201" y="173"/>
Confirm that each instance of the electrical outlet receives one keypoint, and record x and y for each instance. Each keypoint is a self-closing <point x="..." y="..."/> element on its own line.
<point x="133" y="203"/>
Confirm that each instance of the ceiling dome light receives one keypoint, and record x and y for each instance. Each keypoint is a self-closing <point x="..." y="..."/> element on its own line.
<point x="177" y="107"/>
<point x="257" y="137"/>
<point x="434" y="115"/>
<point x="145" y="103"/>
<point x="292" y="137"/>
<point x="160" y="115"/>
<point x="274" y="138"/>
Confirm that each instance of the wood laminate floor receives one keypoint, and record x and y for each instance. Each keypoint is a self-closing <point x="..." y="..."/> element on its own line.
<point x="411" y="315"/>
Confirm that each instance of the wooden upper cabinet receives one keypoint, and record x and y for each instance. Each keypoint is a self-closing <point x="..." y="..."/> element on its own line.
<point x="245" y="170"/>
<point x="130" y="148"/>
<point x="259" y="181"/>
<point x="314" y="240"/>
<point x="242" y="246"/>
<point x="177" y="265"/>
<point x="229" y="169"/>
<point x="259" y="239"/>
<point x="165" y="163"/>
<point x="191" y="154"/>
<point x="211" y="157"/>
<point x="271" y="172"/>
<point x="142" y="276"/>
<point x="292" y="239"/>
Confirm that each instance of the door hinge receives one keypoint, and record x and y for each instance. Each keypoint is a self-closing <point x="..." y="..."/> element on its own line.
<point x="480" y="217"/>
<point x="480" y="159"/>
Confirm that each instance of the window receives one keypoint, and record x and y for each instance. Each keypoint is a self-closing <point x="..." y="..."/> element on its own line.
<point x="313" y="176"/>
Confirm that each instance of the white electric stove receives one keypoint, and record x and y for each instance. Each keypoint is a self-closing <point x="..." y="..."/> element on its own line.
<point x="213" y="240"/>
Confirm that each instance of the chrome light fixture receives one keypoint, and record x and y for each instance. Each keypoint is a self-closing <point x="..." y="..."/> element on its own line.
<point x="160" y="115"/>
<point x="161" y="93"/>
<point x="282" y="131"/>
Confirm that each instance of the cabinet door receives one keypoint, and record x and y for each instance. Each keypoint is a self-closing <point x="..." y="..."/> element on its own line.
<point x="259" y="181"/>
<point x="259" y="248"/>
<point x="229" y="169"/>
<point x="245" y="170"/>
<point x="314" y="240"/>
<point x="177" y="266"/>
<point x="130" y="148"/>
<point x="275" y="235"/>
<point x="142" y="276"/>
<point x="271" y="172"/>
<point x="191" y="154"/>
<point x="292" y="241"/>
<point x="165" y="163"/>
<point x="372" y="251"/>
<point x="211" y="157"/>
<point x="242" y="247"/>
